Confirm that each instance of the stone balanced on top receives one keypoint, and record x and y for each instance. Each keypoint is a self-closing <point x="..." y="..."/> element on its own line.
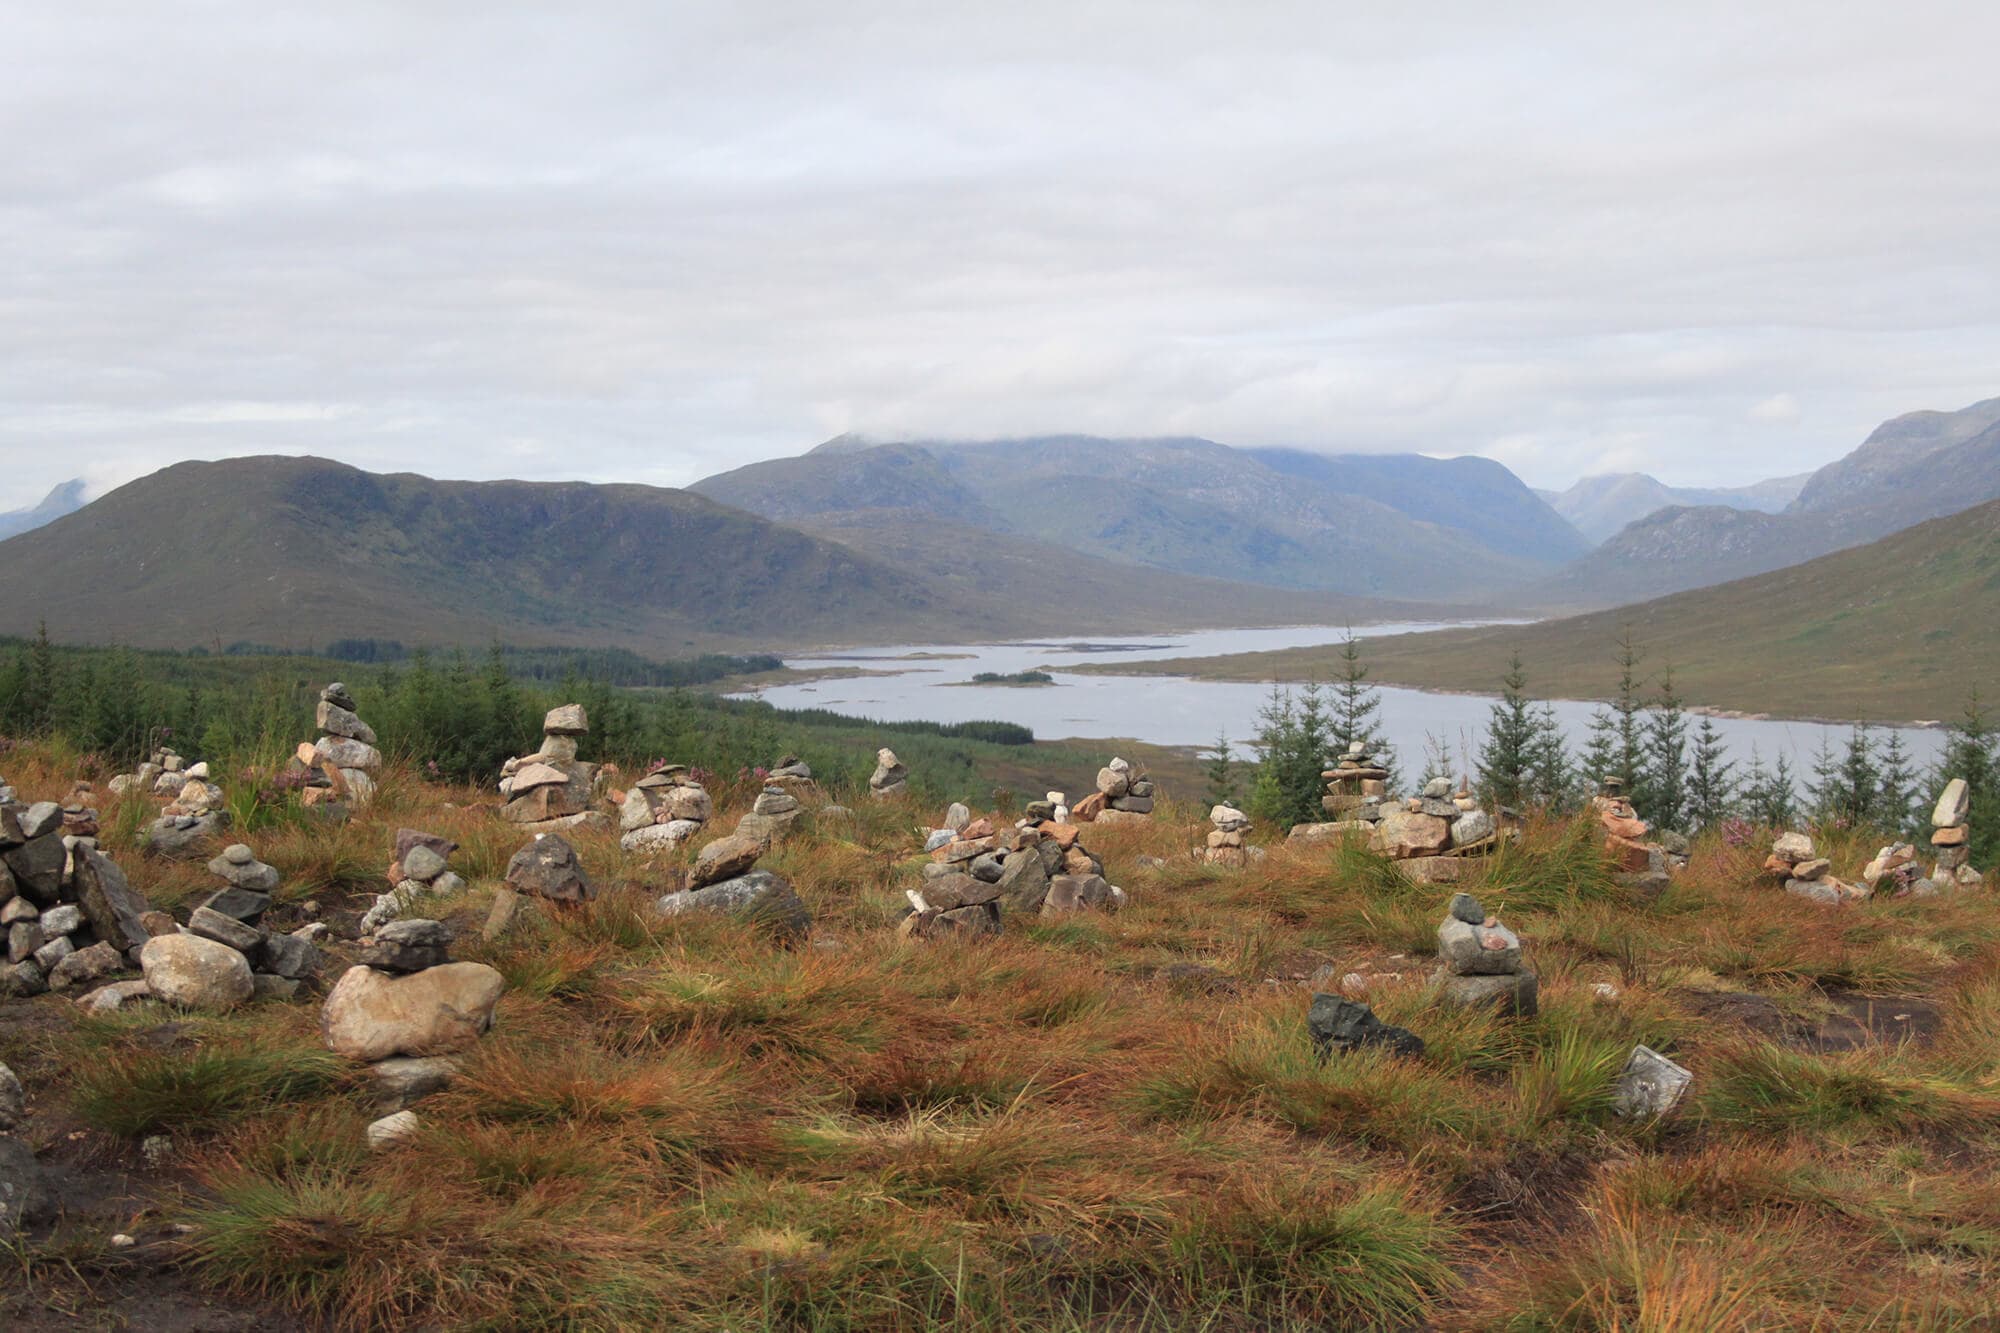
<point x="551" y="789"/>
<point x="1951" y="837"/>
<point x="1481" y="960"/>
<point x="344" y="759"/>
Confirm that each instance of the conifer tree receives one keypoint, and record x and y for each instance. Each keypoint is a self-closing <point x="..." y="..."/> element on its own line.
<point x="1661" y="795"/>
<point x="1221" y="773"/>
<point x="1293" y="741"/>
<point x="1770" y="795"/>
<point x="1712" y="782"/>
<point x="1355" y="713"/>
<point x="1507" y="757"/>
<point x="1617" y="746"/>
<point x="1895" y="786"/>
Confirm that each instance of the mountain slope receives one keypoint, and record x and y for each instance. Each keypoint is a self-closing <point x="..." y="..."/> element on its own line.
<point x="1601" y="506"/>
<point x="1891" y="457"/>
<point x="1186" y="505"/>
<point x="65" y="498"/>
<point x="1902" y="628"/>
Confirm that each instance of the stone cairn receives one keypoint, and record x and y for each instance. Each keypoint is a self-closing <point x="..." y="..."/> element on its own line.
<point x="1894" y="873"/>
<point x="1641" y="864"/>
<point x="772" y="815"/>
<point x="664" y="810"/>
<point x="149" y="776"/>
<point x="1356" y="787"/>
<point x="725" y="880"/>
<point x="551" y="789"/>
<point x="343" y="762"/>
<point x="1805" y="873"/>
<point x="1124" y="795"/>
<point x="404" y="1009"/>
<point x="420" y="869"/>
<point x="67" y="914"/>
<point x="1225" y="840"/>
<point x="978" y="873"/>
<point x="194" y="813"/>
<point x="1480" y="960"/>
<point x="890" y="779"/>
<point x="1951" y="836"/>
<point x="224" y="955"/>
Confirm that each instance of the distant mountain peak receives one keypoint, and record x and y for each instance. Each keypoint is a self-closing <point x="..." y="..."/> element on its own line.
<point x="65" y="497"/>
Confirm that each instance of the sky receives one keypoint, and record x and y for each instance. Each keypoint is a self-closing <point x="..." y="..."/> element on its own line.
<point x="646" y="242"/>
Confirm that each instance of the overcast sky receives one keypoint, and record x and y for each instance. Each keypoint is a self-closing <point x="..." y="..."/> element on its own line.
<point x="636" y="242"/>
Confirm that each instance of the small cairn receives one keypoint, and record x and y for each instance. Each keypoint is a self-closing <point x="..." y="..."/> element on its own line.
<point x="1432" y="836"/>
<point x="225" y="955"/>
<point x="1480" y="960"/>
<point x="404" y="1008"/>
<point x="419" y="869"/>
<point x="724" y="879"/>
<point x="1356" y="788"/>
<point x="1894" y="873"/>
<point x="1805" y="872"/>
<point x="344" y="755"/>
<point x="1124" y="795"/>
<point x="771" y="815"/>
<point x="551" y="789"/>
<point x="67" y="915"/>
<point x="664" y="810"/>
<point x="1951" y="838"/>
<point x="1225" y="840"/>
<point x="979" y="874"/>
<point x="547" y="868"/>
<point x="147" y="777"/>
<point x="1641" y="864"/>
<point x="890" y="779"/>
<point x="195" y="813"/>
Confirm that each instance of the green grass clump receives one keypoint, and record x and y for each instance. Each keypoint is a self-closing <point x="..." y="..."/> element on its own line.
<point x="131" y="1090"/>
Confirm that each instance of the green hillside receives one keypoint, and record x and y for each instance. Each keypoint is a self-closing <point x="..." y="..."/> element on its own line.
<point x="1900" y="629"/>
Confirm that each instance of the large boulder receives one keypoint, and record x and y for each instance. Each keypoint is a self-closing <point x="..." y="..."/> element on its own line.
<point x="760" y="896"/>
<point x="1407" y="833"/>
<point x="112" y="905"/>
<point x="548" y="868"/>
<point x="195" y="973"/>
<point x="371" y="1015"/>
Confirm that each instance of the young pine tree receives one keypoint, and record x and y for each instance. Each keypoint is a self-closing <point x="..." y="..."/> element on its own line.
<point x="1770" y="795"/>
<point x="1293" y="742"/>
<point x="1895" y="787"/>
<point x="1843" y="790"/>
<point x="1355" y="713"/>
<point x="1663" y="780"/>
<point x="1221" y="774"/>
<point x="1506" y="763"/>
<point x="1617" y="745"/>
<point x="1712" y="782"/>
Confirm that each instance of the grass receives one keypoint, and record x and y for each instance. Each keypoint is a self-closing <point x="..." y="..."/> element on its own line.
<point x="678" y="1123"/>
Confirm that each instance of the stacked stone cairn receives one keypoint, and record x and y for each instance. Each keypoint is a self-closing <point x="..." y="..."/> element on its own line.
<point x="1432" y="835"/>
<point x="1480" y="960"/>
<point x="551" y="789"/>
<point x="664" y="810"/>
<point x="979" y="874"/>
<point x="725" y="880"/>
<point x="1805" y="872"/>
<point x="1356" y="787"/>
<point x="1951" y="838"/>
<point x="405" y="1008"/>
<point x="1225" y="840"/>
<point x="772" y="814"/>
<point x="343" y="762"/>
<point x="148" y="777"/>
<point x="1124" y="795"/>
<point x="1641" y="864"/>
<point x="1894" y="873"/>
<point x="224" y="955"/>
<point x="195" y="813"/>
<point x="890" y="779"/>
<point x="420" y="869"/>
<point x="68" y="916"/>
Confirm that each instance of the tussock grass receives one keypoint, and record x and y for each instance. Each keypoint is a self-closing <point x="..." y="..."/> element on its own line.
<point x="208" y="1077"/>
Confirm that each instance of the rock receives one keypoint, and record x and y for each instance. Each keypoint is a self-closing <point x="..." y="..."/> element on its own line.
<point x="1024" y="882"/>
<point x="213" y="925"/>
<point x="635" y="812"/>
<point x="331" y="718"/>
<point x="766" y="899"/>
<point x="13" y="1100"/>
<point x="939" y="838"/>
<point x="1112" y="784"/>
<point x="246" y="905"/>
<point x="392" y="1129"/>
<point x="1339" y="1024"/>
<point x="25" y="1197"/>
<point x="1330" y="832"/>
<point x="408" y="839"/>
<point x="1813" y="869"/>
<point x="955" y="818"/>
<point x="292" y="956"/>
<point x="1953" y="805"/>
<point x="336" y="693"/>
<point x="691" y="803"/>
<point x="952" y="891"/>
<point x="422" y="863"/>
<point x="22" y="979"/>
<point x="51" y="952"/>
<point x="1650" y="1084"/>
<point x="1482" y="950"/>
<point x="726" y="858"/>
<point x="1471" y="827"/>
<point x="403" y="1081"/>
<point x="1792" y="848"/>
<point x="1514" y="993"/>
<point x="109" y="901"/>
<point x="195" y="973"/>
<point x="1817" y="890"/>
<point x="37" y="867"/>
<point x="1132" y="805"/>
<point x="536" y="775"/>
<point x="966" y="922"/>
<point x="1433" y="869"/>
<point x="371" y="1015"/>
<point x="566" y="720"/>
<point x="548" y="868"/>
<point x="1438" y="789"/>
<point x="86" y="966"/>
<point x="265" y="987"/>
<point x="116" y="996"/>
<point x="1405" y="833"/>
<point x="182" y="835"/>
<point x="659" y="837"/>
<point x="343" y="753"/>
<point x="66" y="919"/>
<point x="1228" y="818"/>
<point x="1464" y="907"/>
<point x="1075" y="893"/>
<point x="23" y="939"/>
<point x="408" y="946"/>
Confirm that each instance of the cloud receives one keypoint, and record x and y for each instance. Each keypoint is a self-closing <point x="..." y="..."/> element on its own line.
<point x="640" y="242"/>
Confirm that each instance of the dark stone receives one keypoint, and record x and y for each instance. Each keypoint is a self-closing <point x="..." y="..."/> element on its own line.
<point x="37" y="866"/>
<point x="948" y="891"/>
<point x="407" y="838"/>
<point x="409" y="946"/>
<point x="287" y="956"/>
<point x="1466" y="908"/>
<point x="1024" y="882"/>
<point x="765" y="898"/>
<point x="988" y="867"/>
<point x="548" y="868"/>
<point x="25" y="1197"/>
<point x="1039" y="812"/>
<point x="213" y="925"/>
<point x="1345" y="1025"/>
<point x="245" y="905"/>
<point x="112" y="905"/>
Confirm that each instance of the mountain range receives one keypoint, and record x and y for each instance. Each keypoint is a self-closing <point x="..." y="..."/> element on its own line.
<point x="1601" y="506"/>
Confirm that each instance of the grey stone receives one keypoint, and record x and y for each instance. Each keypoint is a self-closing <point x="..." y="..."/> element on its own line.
<point x="336" y="694"/>
<point x="196" y="973"/>
<point x="548" y="868"/>
<point x="988" y="866"/>
<point x="566" y="720"/>
<point x="1793" y="847"/>
<point x="39" y="820"/>
<point x="1462" y="946"/>
<point x="408" y="946"/>
<point x="404" y="1080"/>
<point x="1650" y="1084"/>
<point x="409" y="838"/>
<point x="422" y="863"/>
<point x="264" y="986"/>
<point x="37" y="867"/>
<point x="181" y="836"/>
<point x="1438" y="809"/>
<point x="66" y="919"/>
<point x="955" y="818"/>
<point x="112" y="905"/>
<point x="371" y="1015"/>
<point x="635" y="812"/>
<point x="957" y="891"/>
<point x="53" y="952"/>
<point x="1438" y="789"/>
<point x="1464" y="907"/>
<point x="1339" y="1024"/>
<point x="1953" y="804"/>
<point x="289" y="956"/>
<point x="659" y="837"/>
<point x="116" y="996"/>
<point x="85" y="966"/>
<point x="13" y="1100"/>
<point x="1818" y="891"/>
<point x="343" y="753"/>
<point x="245" y="905"/>
<point x="26" y="1200"/>
<point x="940" y="837"/>
<point x="22" y="979"/>
<point x="23" y="938"/>
<point x="1470" y="827"/>
<point x="760" y="896"/>
<point x="335" y="720"/>
<point x="974" y="920"/>
<point x="213" y="925"/>
<point x="1075" y="893"/>
<point x="1516" y="993"/>
<point x="1132" y="805"/>
<point x="774" y="802"/>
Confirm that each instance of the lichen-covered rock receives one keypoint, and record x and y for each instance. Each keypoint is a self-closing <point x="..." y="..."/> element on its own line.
<point x="759" y="896"/>
<point x="548" y="868"/>
<point x="725" y="858"/>
<point x="195" y="973"/>
<point x="371" y="1015"/>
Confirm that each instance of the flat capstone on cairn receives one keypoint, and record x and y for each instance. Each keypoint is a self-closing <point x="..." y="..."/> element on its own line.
<point x="405" y="1010"/>
<point x="1479" y="961"/>
<point x="551" y="789"/>
<point x="419" y="869"/>
<point x="1226" y="846"/>
<point x="1806" y="874"/>
<point x="1951" y="838"/>
<point x="890" y="779"/>
<point x="1124" y="795"/>
<point x="663" y="810"/>
<point x="341" y="765"/>
<point x="778" y="806"/>
<point x="1356" y="788"/>
<point x="725" y="880"/>
<point x="979" y="874"/>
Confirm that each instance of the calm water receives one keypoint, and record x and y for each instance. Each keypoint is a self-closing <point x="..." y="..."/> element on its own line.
<point x="1173" y="710"/>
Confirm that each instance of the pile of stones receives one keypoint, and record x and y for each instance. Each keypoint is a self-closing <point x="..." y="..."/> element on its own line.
<point x="890" y="779"/>
<point x="195" y="813"/>
<point x="420" y="869"/>
<point x="551" y="789"/>
<point x="342" y="764"/>
<point x="151" y="776"/>
<point x="725" y="879"/>
<point x="772" y="815"/>
<point x="1124" y="794"/>
<point x="1225" y="840"/>
<point x="1433" y="834"/>
<point x="224" y="955"/>
<point x="664" y="810"/>
<point x="1642" y="864"/>
<point x="1805" y="872"/>
<point x="404" y="1008"/>
<point x="980" y="874"/>
<point x="1951" y="836"/>
<point x="1480" y="960"/>
<point x="1356" y="787"/>
<point x="68" y="915"/>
